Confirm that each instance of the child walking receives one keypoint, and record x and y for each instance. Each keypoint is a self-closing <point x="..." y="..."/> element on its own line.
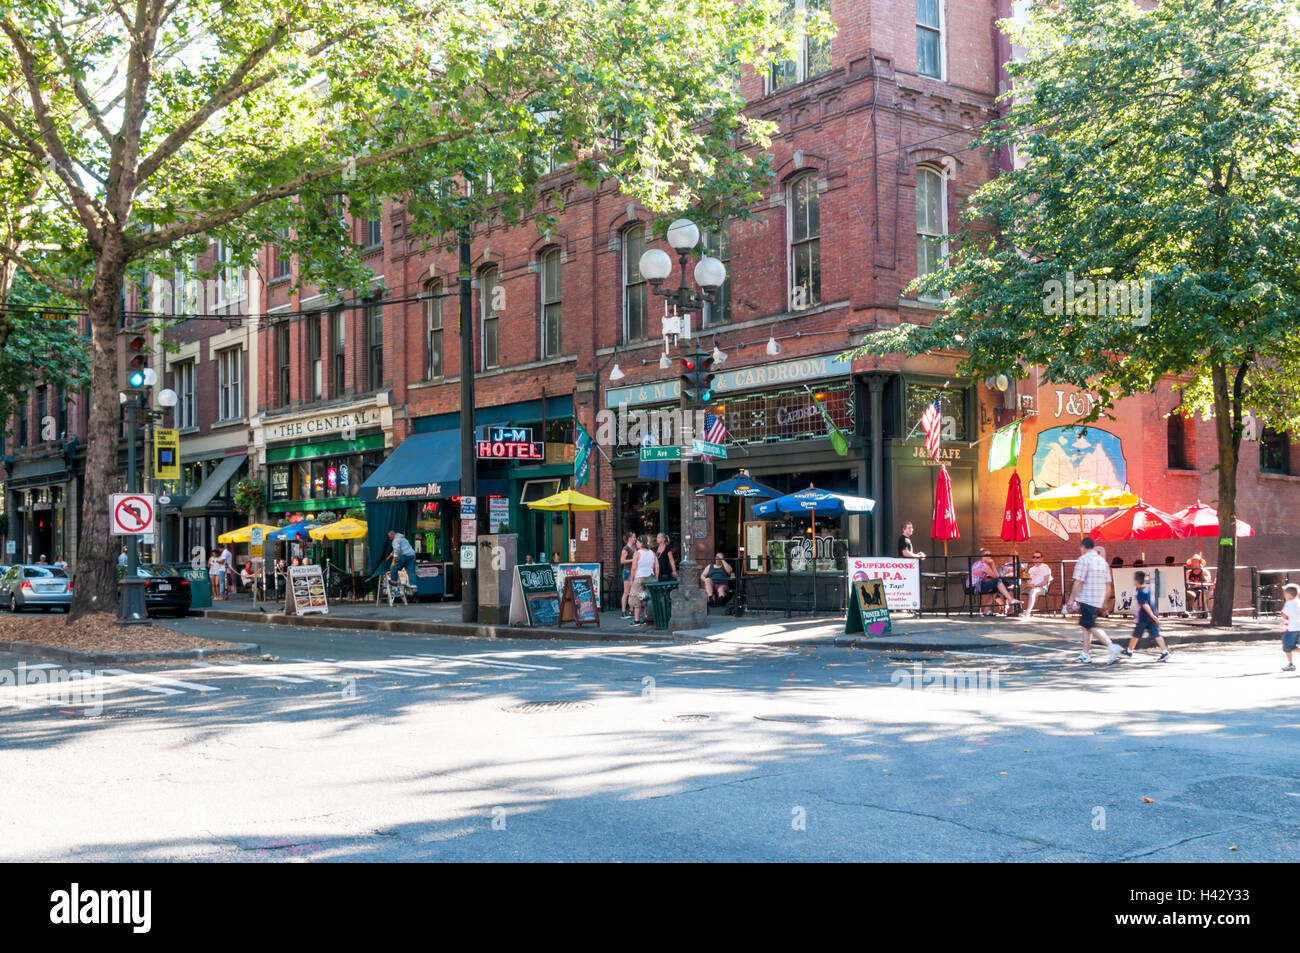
<point x="1146" y="619"/>
<point x="1290" y="624"/>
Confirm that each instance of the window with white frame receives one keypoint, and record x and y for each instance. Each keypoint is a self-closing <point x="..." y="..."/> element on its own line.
<point x="812" y="54"/>
<point x="805" y="243"/>
<point x="929" y="38"/>
<point x="183" y="381"/>
<point x="931" y="221"/>
<point x="230" y="384"/>
<point x="489" y="297"/>
<point x="230" y="279"/>
<point x="636" y="324"/>
<point x="433" y="314"/>
<point x="552" y="291"/>
<point x="718" y="244"/>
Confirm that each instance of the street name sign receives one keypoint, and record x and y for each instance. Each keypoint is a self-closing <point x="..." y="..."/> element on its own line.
<point x="650" y="454"/>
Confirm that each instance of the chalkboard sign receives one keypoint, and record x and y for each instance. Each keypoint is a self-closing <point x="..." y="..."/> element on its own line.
<point x="578" y="602"/>
<point x="534" y="598"/>
<point x="868" y="610"/>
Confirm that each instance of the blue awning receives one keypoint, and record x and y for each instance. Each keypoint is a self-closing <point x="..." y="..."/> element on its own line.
<point x="425" y="466"/>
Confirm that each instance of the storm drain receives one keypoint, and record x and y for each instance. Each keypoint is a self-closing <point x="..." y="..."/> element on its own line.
<point x="796" y="719"/>
<point x="689" y="718"/>
<point x="538" y="708"/>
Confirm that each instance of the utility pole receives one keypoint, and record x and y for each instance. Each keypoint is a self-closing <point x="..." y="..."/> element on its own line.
<point x="468" y="457"/>
<point x="133" y="610"/>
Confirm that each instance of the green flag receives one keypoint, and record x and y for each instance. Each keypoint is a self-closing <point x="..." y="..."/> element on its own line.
<point x="839" y="442"/>
<point x="1004" y="448"/>
<point x="581" y="457"/>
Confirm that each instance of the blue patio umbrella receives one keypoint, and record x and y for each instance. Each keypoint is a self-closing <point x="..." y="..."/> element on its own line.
<point x="811" y="501"/>
<point x="741" y="485"/>
<point x="294" y="531"/>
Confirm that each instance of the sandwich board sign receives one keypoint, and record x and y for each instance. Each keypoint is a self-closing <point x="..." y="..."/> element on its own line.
<point x="868" y="609"/>
<point x="534" y="597"/>
<point x="306" y="592"/>
<point x="578" y="602"/>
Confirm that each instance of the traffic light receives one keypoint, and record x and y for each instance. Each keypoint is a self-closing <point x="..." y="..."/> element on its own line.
<point x="132" y="359"/>
<point x="697" y="378"/>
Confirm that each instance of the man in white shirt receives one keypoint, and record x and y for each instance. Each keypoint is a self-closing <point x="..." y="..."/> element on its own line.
<point x="1040" y="580"/>
<point x="1091" y="581"/>
<point x="228" y="576"/>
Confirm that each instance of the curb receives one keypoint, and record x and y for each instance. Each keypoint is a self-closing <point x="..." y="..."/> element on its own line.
<point x="409" y="627"/>
<point x="58" y="654"/>
<point x="923" y="646"/>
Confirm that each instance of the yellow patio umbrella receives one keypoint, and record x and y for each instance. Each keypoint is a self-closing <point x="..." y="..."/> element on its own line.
<point x="342" y="529"/>
<point x="568" y="501"/>
<point x="1081" y="495"/>
<point x="245" y="533"/>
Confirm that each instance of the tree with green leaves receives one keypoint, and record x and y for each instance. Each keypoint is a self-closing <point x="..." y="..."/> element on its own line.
<point x="156" y="126"/>
<point x="1155" y="145"/>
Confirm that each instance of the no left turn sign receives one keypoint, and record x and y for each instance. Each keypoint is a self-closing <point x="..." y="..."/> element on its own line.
<point x="131" y="514"/>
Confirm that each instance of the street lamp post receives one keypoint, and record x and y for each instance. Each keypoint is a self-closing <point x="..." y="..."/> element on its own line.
<point x="689" y="603"/>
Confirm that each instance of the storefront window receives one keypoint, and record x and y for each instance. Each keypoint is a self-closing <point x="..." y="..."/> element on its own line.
<point x="428" y="528"/>
<point x="952" y="404"/>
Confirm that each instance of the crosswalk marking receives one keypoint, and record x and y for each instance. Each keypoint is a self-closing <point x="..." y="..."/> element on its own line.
<point x="474" y="660"/>
<point x="157" y="683"/>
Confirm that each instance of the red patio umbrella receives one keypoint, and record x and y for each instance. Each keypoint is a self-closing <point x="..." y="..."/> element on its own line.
<point x="1143" y="522"/>
<point x="944" y="524"/>
<point x="1015" y="520"/>
<point x="1205" y="521"/>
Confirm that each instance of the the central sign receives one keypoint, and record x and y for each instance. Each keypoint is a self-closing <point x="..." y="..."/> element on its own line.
<point x="509" y="443"/>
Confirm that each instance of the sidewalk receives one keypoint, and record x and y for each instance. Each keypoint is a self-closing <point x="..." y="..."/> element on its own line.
<point x="925" y="633"/>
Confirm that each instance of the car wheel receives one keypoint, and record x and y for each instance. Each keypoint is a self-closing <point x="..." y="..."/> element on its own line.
<point x="13" y="602"/>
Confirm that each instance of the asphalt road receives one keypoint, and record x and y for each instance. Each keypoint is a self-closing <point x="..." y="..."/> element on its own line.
<point x="368" y="746"/>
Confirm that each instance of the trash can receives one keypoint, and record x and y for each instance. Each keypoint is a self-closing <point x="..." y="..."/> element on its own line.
<point x="661" y="604"/>
<point x="200" y="588"/>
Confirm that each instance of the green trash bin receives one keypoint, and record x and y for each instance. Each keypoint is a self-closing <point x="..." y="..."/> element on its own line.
<point x="200" y="588"/>
<point x="661" y="603"/>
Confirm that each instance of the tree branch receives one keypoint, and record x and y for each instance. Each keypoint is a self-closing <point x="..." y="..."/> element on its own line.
<point x="50" y="281"/>
<point x="79" y="89"/>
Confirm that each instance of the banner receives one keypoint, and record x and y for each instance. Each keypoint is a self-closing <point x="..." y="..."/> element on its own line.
<point x="582" y="458"/>
<point x="1004" y="448"/>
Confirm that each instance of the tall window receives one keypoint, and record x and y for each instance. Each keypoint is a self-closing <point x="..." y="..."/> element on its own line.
<point x="551" y="293"/>
<point x="931" y="220"/>
<point x="42" y="411"/>
<point x="22" y="423"/>
<point x="929" y="38"/>
<point x="280" y="268"/>
<point x="1274" y="451"/>
<point x="338" y="350"/>
<point x="489" y="297"/>
<point x="811" y="55"/>
<point x="636" y="325"/>
<point x="374" y="233"/>
<point x="230" y="384"/>
<point x="1176" y="434"/>
<point x="718" y="244"/>
<point x="314" y="353"/>
<point x="230" y="280"/>
<point x="184" y="383"/>
<point x="375" y="346"/>
<point x="282" y="360"/>
<point x="433" y="320"/>
<point x="805" y="243"/>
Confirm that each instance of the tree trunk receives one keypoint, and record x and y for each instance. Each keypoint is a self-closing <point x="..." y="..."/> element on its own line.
<point x="96" y="587"/>
<point x="1227" y="425"/>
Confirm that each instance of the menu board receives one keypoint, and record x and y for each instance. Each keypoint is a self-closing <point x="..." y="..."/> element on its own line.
<point x="564" y="570"/>
<point x="868" y="609"/>
<point x="534" y="598"/>
<point x="578" y="602"/>
<point x="307" y="590"/>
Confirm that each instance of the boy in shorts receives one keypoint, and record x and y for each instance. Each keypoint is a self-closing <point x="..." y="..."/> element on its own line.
<point x="1290" y="624"/>
<point x="1146" y="620"/>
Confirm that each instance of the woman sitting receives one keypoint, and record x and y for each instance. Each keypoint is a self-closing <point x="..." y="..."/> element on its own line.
<point x="717" y="578"/>
<point x="984" y="580"/>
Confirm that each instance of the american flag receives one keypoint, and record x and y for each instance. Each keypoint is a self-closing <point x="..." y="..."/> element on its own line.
<point x="715" y="431"/>
<point x="930" y="423"/>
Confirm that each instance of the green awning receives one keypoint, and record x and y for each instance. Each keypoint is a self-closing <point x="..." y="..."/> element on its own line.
<point x="219" y="477"/>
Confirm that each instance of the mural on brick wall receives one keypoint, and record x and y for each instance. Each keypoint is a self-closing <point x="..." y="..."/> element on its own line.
<point x="1066" y="454"/>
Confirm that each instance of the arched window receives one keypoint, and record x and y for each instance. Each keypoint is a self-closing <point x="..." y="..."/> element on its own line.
<point x="489" y="297"/>
<point x="805" y="243"/>
<point x="433" y="330"/>
<point x="931" y="221"/>
<point x="552" y="292"/>
<point x="636" y="325"/>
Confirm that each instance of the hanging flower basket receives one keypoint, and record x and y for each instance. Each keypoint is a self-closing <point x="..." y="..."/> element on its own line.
<point x="250" y="496"/>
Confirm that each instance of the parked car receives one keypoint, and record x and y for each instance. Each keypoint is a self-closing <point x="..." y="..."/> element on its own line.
<point x="35" y="587"/>
<point x="167" y="591"/>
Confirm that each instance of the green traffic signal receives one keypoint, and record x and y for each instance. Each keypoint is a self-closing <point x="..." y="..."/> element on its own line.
<point x="136" y="379"/>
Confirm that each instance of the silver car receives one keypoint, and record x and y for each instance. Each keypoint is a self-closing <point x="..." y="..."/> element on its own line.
<point x="35" y="587"/>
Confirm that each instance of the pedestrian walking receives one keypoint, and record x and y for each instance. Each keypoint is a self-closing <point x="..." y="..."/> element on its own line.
<point x="228" y="575"/>
<point x="1290" y="624"/>
<point x="643" y="571"/>
<point x="216" y="572"/>
<point x="665" y="559"/>
<point x="121" y="559"/>
<point x="1147" y="621"/>
<point x="625" y="560"/>
<point x="1091" y="581"/>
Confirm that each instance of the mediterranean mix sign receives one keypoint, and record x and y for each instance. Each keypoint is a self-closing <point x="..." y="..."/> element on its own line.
<point x="421" y="492"/>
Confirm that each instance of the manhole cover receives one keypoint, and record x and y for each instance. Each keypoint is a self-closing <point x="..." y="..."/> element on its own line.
<point x="798" y="719"/>
<point x="535" y="708"/>
<point x="119" y="713"/>
<point x="689" y="718"/>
